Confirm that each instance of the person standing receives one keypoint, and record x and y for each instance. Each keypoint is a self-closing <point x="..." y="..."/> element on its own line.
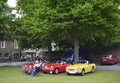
<point x="28" y="57"/>
<point x="9" y="59"/>
<point x="42" y="58"/>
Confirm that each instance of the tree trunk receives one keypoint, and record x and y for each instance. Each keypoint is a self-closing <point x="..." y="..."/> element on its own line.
<point x="49" y="52"/>
<point x="76" y="43"/>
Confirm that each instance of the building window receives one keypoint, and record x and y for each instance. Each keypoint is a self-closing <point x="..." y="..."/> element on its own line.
<point x="16" y="56"/>
<point x="0" y="55"/>
<point x="6" y="54"/>
<point x="2" y="44"/>
<point x="15" y="45"/>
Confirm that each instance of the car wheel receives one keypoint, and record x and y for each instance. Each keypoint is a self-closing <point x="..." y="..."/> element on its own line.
<point x="83" y="72"/>
<point x="56" y="71"/>
<point x="68" y="73"/>
<point x="92" y="70"/>
<point x="112" y="63"/>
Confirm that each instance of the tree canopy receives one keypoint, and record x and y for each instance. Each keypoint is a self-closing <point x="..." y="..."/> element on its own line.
<point x="77" y="22"/>
<point x="6" y="21"/>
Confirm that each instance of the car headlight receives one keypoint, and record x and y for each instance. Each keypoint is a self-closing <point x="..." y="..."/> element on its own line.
<point x="51" y="67"/>
<point x="25" y="66"/>
<point x="30" y="66"/>
<point x="78" y="69"/>
<point x="66" y="68"/>
<point x="46" y="67"/>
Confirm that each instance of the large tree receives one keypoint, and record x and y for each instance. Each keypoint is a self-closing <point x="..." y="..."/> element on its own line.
<point x="6" y="21"/>
<point x="77" y="21"/>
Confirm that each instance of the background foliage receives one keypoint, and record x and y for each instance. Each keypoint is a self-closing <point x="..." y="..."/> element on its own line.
<point x="7" y="25"/>
<point x="76" y="23"/>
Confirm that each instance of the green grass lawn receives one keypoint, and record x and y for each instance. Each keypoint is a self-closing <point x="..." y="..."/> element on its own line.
<point x="15" y="75"/>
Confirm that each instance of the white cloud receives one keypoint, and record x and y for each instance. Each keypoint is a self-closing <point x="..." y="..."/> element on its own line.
<point x="12" y="3"/>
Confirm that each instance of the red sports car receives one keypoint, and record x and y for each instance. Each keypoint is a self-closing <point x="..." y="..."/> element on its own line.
<point x="26" y="68"/>
<point x="55" y="67"/>
<point x="109" y="59"/>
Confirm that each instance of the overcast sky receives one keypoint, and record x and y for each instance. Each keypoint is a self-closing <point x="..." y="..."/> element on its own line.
<point x="11" y="3"/>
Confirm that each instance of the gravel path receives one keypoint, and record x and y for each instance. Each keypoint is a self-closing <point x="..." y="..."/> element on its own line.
<point x="14" y="63"/>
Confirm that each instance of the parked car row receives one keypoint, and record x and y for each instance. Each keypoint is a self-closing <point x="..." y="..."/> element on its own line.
<point x="78" y="67"/>
<point x="104" y="60"/>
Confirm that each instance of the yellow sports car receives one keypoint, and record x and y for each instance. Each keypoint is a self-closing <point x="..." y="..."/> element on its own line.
<point x="81" y="67"/>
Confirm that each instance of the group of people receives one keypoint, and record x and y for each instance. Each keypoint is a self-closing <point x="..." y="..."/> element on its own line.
<point x="34" y="70"/>
<point x="37" y="66"/>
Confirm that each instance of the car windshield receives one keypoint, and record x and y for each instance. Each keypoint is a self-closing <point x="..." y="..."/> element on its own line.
<point x="58" y="62"/>
<point x="107" y="56"/>
<point x="81" y="61"/>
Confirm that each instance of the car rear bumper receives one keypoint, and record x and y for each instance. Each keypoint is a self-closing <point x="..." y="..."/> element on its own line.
<point x="106" y="62"/>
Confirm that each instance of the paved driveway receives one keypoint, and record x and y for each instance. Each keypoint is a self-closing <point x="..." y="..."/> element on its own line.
<point x="14" y="63"/>
<point x="109" y="67"/>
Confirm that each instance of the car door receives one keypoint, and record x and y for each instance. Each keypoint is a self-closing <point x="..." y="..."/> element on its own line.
<point x="88" y="68"/>
<point x="60" y="67"/>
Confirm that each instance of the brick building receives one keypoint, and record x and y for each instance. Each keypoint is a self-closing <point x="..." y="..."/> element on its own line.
<point x="9" y="48"/>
